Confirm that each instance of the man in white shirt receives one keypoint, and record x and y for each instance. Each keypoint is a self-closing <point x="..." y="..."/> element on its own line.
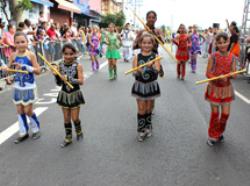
<point x="127" y="42"/>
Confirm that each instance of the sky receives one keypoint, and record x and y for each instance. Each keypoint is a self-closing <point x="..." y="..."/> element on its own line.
<point x="201" y="12"/>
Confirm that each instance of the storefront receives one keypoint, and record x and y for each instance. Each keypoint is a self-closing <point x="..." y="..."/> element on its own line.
<point x="83" y="18"/>
<point x="63" y="11"/>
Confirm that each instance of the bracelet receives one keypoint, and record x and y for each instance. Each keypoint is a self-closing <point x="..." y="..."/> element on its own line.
<point x="74" y="81"/>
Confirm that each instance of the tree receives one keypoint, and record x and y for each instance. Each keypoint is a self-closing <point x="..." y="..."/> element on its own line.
<point x="118" y="19"/>
<point x="16" y="8"/>
<point x="3" y="6"/>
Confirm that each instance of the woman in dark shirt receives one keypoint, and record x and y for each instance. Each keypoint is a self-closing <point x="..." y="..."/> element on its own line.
<point x="234" y="46"/>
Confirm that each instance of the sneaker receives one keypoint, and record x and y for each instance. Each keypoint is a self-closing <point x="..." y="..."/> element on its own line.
<point x="21" y="138"/>
<point x="36" y="135"/>
<point x="221" y="139"/>
<point x="211" y="142"/>
<point x="148" y="132"/>
<point x="161" y="72"/>
<point x="66" y="143"/>
<point x="79" y="136"/>
<point x="141" y="136"/>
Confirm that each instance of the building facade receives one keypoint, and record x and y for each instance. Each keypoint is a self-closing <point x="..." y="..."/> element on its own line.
<point x="37" y="6"/>
<point x="111" y="7"/>
<point x="63" y="11"/>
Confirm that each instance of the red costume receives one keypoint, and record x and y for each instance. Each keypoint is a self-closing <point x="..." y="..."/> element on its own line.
<point x="219" y="92"/>
<point x="182" y="54"/>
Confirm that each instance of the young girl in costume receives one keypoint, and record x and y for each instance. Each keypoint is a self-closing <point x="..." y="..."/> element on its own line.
<point x="195" y="48"/>
<point x="25" y="87"/>
<point x="146" y="87"/>
<point x="70" y="99"/>
<point x="113" y="44"/>
<point x="182" y="54"/>
<point x="93" y="48"/>
<point x="219" y="93"/>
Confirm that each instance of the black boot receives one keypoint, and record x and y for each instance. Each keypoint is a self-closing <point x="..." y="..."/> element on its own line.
<point x="21" y="138"/>
<point x="161" y="72"/>
<point x="141" y="123"/>
<point x="115" y="72"/>
<point x="68" y="138"/>
<point x="78" y="129"/>
<point x="148" y="127"/>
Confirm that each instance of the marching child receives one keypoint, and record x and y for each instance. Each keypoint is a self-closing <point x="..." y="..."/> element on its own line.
<point x="182" y="54"/>
<point x="25" y="87"/>
<point x="70" y="99"/>
<point x="113" y="54"/>
<point x="195" y="48"/>
<point x="219" y="93"/>
<point x="93" y="47"/>
<point x="146" y="87"/>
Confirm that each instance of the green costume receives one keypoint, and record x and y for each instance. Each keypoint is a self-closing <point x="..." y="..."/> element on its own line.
<point x="113" y="47"/>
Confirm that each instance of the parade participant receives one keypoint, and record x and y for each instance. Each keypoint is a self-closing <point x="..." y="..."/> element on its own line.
<point x="113" y="44"/>
<point x="25" y="87"/>
<point x="215" y="31"/>
<point x="93" y="48"/>
<point x="70" y="99"/>
<point x="182" y="54"/>
<point x="205" y="44"/>
<point x="195" y="48"/>
<point x="127" y="42"/>
<point x="151" y="18"/>
<point x="219" y="93"/>
<point x="83" y="39"/>
<point x="234" y="45"/>
<point x="146" y="87"/>
<point x="102" y="41"/>
<point x="190" y="29"/>
<point x="210" y="40"/>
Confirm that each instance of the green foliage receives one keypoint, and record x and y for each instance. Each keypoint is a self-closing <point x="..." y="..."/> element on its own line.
<point x="24" y="5"/>
<point x="118" y="19"/>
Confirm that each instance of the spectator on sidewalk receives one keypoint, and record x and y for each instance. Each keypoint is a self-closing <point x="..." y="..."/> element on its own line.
<point x="51" y="32"/>
<point x="8" y="41"/>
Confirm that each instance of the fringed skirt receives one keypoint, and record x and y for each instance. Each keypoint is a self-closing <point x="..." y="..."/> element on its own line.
<point x="24" y="97"/>
<point x="70" y="100"/>
<point x="146" y="91"/>
<point x="219" y="95"/>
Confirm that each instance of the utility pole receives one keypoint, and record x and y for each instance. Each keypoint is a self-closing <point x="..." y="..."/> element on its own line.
<point x="245" y="28"/>
<point x="137" y="5"/>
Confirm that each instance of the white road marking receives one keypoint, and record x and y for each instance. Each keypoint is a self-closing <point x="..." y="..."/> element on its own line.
<point x="7" y="133"/>
<point x="42" y="101"/>
<point x="243" y="98"/>
<point x="103" y="64"/>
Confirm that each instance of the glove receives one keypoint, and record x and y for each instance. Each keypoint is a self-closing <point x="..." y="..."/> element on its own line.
<point x="28" y="68"/>
<point x="73" y="81"/>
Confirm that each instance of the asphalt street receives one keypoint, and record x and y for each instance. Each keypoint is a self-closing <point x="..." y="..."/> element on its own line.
<point x="110" y="155"/>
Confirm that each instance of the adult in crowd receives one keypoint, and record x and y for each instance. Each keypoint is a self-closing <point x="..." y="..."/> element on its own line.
<point x="234" y="45"/>
<point x="8" y="41"/>
<point x="151" y="18"/>
<point x="127" y="42"/>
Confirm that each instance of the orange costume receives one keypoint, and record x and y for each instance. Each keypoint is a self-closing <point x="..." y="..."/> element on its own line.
<point x="219" y="92"/>
<point x="236" y="49"/>
<point x="182" y="54"/>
